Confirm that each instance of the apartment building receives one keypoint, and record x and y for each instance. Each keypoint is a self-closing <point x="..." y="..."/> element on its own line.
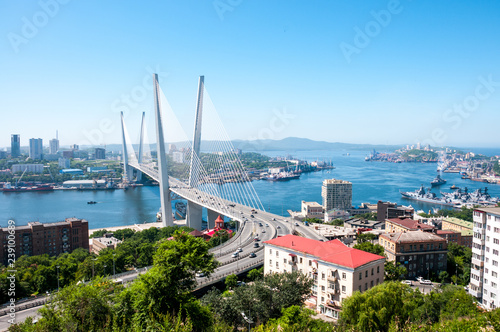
<point x="464" y="227"/>
<point x="47" y="238"/>
<point x="422" y="253"/>
<point x="484" y="279"/>
<point x="406" y="225"/>
<point x="337" y="194"/>
<point x="336" y="269"/>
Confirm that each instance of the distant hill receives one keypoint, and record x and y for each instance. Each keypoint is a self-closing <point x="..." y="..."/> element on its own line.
<point x="286" y="144"/>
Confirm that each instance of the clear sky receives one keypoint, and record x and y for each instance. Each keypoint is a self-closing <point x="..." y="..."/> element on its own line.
<point x="381" y="72"/>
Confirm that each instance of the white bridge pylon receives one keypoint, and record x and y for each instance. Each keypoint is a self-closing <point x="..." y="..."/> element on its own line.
<point x="206" y="172"/>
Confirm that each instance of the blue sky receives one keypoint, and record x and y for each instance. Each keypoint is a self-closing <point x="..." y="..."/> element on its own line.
<point x="381" y="72"/>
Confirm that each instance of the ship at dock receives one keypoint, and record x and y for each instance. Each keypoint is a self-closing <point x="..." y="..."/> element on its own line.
<point x="180" y="211"/>
<point x="428" y="197"/>
<point x="477" y="197"/>
<point x="41" y="187"/>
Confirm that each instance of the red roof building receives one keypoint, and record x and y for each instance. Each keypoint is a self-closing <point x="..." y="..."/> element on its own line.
<point x="405" y="225"/>
<point x="337" y="270"/>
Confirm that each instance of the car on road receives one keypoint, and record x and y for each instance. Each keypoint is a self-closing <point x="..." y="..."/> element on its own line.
<point x="256" y="238"/>
<point x="239" y="250"/>
<point x="241" y="212"/>
<point x="267" y="225"/>
<point x="252" y="216"/>
<point x="274" y="219"/>
<point x="425" y="282"/>
<point x="408" y="282"/>
<point x="253" y="255"/>
<point x="256" y="245"/>
<point x="240" y="283"/>
<point x="263" y="231"/>
<point x="235" y="255"/>
<point x="260" y="224"/>
<point x="200" y="274"/>
<point x="279" y="227"/>
<point x="296" y="224"/>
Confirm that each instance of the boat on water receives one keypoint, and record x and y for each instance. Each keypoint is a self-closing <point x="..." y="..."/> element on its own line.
<point x="478" y="196"/>
<point x="180" y="210"/>
<point x="41" y="187"/>
<point x="281" y="176"/>
<point x="428" y="197"/>
<point x="438" y="181"/>
<point x="91" y="202"/>
<point x="454" y="187"/>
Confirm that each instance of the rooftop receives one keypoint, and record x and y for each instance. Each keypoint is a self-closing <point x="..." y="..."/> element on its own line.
<point x="410" y="224"/>
<point x="493" y="210"/>
<point x="332" y="251"/>
<point x="312" y="204"/>
<point x="459" y="222"/>
<point x="416" y="236"/>
<point x="335" y="181"/>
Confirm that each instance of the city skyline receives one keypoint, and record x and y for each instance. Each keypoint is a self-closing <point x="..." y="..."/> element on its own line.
<point x="385" y="72"/>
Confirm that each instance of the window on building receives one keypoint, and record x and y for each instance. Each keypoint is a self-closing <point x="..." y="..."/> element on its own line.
<point x="322" y="275"/>
<point x="300" y="260"/>
<point x="344" y="276"/>
<point x="372" y="270"/>
<point x="360" y="275"/>
<point x="371" y="283"/>
<point x="366" y="285"/>
<point x="343" y="289"/>
<point x="310" y="262"/>
<point x="277" y="264"/>
<point x="277" y="253"/>
<point x="378" y="269"/>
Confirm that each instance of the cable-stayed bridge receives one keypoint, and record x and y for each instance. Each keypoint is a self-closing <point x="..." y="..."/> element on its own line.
<point x="216" y="181"/>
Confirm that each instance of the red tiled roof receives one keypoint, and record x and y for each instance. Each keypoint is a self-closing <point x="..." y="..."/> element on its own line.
<point x="332" y="251"/>
<point x="410" y="224"/>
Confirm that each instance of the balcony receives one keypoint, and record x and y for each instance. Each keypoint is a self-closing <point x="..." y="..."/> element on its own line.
<point x="476" y="294"/>
<point x="292" y="262"/>
<point x="331" y="278"/>
<point x="333" y="304"/>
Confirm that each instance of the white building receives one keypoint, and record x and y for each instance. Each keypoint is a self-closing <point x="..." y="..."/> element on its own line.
<point x="64" y="163"/>
<point x="484" y="278"/>
<point x="337" y="194"/>
<point x="178" y="157"/>
<point x="53" y="146"/>
<point x="36" y="148"/>
<point x="30" y="168"/>
<point x="335" y="214"/>
<point x="336" y="269"/>
<point x="312" y="210"/>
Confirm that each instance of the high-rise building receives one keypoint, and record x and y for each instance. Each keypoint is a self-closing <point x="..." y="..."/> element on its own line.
<point x="100" y="153"/>
<point x="337" y="194"/>
<point x="15" y="145"/>
<point x="36" y="148"/>
<point x="484" y="274"/>
<point x="53" y="146"/>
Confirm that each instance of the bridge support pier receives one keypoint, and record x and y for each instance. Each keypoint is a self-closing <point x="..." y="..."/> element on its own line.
<point x="166" y="204"/>
<point x="193" y="215"/>
<point x="128" y="171"/>
<point x="211" y="216"/>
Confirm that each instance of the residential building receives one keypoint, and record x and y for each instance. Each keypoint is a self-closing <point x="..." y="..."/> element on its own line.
<point x="36" y="148"/>
<point x="29" y="168"/>
<point x="106" y="241"/>
<point x="337" y="194"/>
<point x="64" y="163"/>
<point x="362" y="209"/>
<point x="100" y="153"/>
<point x="53" y="146"/>
<point x="388" y="210"/>
<point x="68" y="154"/>
<point x="406" y="225"/>
<point x="450" y="235"/>
<point x="312" y="210"/>
<point x="178" y="156"/>
<point x="15" y="145"/>
<point x="3" y="154"/>
<point x="484" y="279"/>
<point x="464" y="227"/>
<point x="45" y="238"/>
<point x="337" y="270"/>
<point x="421" y="253"/>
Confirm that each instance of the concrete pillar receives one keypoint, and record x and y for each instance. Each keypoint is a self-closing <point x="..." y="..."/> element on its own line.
<point x="211" y="216"/>
<point x="193" y="215"/>
<point x="166" y="204"/>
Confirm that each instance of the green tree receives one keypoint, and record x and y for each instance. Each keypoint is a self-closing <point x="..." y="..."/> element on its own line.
<point x="256" y="274"/>
<point x="231" y="281"/>
<point x="296" y="318"/>
<point x="370" y="247"/>
<point x="169" y="283"/>
<point x="364" y="237"/>
<point x="394" y="271"/>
